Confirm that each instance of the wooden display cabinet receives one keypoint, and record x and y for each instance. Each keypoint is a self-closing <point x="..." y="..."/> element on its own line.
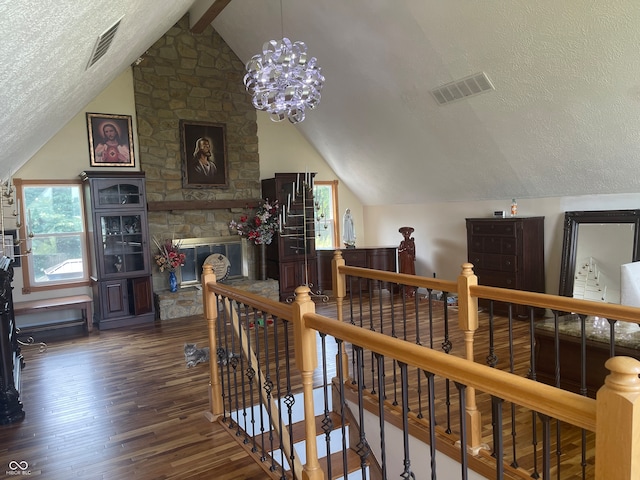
<point x="121" y="273"/>
<point x="291" y="257"/>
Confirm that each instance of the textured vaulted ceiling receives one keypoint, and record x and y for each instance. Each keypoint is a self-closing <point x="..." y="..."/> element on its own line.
<point x="563" y="119"/>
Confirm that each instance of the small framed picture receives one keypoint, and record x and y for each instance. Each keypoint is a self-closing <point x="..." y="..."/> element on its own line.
<point x="11" y="246"/>
<point x="204" y="154"/>
<point x="110" y="140"/>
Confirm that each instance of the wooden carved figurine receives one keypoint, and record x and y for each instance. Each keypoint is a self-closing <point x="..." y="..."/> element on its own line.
<point x="407" y="257"/>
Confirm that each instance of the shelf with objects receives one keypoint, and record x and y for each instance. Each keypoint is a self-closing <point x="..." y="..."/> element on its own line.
<point x="121" y="271"/>
<point x="291" y="258"/>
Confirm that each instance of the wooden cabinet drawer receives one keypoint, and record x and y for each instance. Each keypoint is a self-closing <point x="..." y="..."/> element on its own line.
<point x="508" y="263"/>
<point x="355" y="258"/>
<point x="496" y="279"/>
<point x="494" y="228"/>
<point x="493" y="244"/>
<point x="494" y="262"/>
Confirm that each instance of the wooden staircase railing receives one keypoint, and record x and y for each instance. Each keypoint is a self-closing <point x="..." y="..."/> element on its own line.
<point x="614" y="414"/>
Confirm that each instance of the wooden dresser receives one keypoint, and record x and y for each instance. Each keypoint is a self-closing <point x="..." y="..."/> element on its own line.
<point x="507" y="253"/>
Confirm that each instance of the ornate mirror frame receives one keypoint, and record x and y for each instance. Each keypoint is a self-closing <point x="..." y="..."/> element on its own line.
<point x="572" y="221"/>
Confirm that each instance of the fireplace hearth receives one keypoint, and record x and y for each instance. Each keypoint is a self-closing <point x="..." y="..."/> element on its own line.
<point x="187" y="301"/>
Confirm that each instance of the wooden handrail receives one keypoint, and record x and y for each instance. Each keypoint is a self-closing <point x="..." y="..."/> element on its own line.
<point x="556" y="302"/>
<point x="563" y="405"/>
<point x="401" y="278"/>
<point x="278" y="309"/>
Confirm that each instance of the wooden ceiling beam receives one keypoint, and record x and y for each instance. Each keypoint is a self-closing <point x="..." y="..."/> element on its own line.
<point x="209" y="15"/>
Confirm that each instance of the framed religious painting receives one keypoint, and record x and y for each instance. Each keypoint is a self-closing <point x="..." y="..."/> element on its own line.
<point x="204" y="154"/>
<point x="110" y="140"/>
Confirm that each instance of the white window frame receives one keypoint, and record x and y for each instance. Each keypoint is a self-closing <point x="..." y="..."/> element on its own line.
<point x="330" y="217"/>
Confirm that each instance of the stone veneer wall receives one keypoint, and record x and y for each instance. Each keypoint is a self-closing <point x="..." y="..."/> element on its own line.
<point x="193" y="77"/>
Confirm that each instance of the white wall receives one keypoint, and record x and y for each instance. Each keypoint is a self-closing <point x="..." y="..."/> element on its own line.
<point x="440" y="230"/>
<point x="67" y="153"/>
<point x="283" y="149"/>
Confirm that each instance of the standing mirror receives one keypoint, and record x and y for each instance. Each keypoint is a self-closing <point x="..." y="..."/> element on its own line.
<point x="596" y="244"/>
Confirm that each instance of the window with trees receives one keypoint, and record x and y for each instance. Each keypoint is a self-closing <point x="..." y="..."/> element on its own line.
<point x="325" y="202"/>
<point x="55" y="228"/>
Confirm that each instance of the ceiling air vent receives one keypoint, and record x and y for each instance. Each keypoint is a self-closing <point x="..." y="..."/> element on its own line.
<point x="466" y="87"/>
<point x="103" y="43"/>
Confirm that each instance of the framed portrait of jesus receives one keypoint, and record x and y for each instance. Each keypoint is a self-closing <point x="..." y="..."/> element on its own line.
<point x="204" y="154"/>
<point x="110" y="140"/>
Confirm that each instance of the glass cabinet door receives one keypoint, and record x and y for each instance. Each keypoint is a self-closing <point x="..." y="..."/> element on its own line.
<point x="122" y="244"/>
<point x="125" y="194"/>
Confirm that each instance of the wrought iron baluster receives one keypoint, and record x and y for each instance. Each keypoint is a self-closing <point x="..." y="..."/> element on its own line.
<point x="327" y="422"/>
<point x="277" y="356"/>
<point x="546" y="445"/>
<point x="383" y="446"/>
<point x="463" y="429"/>
<point x="229" y="356"/>
<point x="250" y="373"/>
<point x="234" y="369"/>
<point x="268" y="387"/>
<point x="514" y="433"/>
<point x="432" y="422"/>
<point x="341" y="388"/>
<point x="362" y="448"/>
<point x="492" y="359"/>
<point x="406" y="473"/>
<point x="498" y="442"/>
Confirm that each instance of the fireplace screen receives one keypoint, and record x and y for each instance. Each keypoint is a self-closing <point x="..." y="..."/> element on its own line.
<point x="197" y="250"/>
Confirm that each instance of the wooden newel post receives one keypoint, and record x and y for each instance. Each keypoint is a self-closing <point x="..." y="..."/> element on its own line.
<point x="307" y="361"/>
<point x="468" y="322"/>
<point x="211" y="314"/>
<point x="339" y="292"/>
<point x="618" y="421"/>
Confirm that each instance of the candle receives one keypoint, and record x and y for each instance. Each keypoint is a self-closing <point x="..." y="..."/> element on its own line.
<point x="29" y="222"/>
<point x="17" y="212"/>
<point x="288" y="202"/>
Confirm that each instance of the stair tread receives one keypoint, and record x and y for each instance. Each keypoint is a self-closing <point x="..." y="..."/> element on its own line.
<point x="299" y="432"/>
<point x="337" y="464"/>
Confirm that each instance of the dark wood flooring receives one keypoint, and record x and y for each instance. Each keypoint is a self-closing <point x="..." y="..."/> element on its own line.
<point x="121" y="404"/>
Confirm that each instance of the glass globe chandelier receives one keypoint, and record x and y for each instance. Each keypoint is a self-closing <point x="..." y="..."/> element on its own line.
<point x="283" y="81"/>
